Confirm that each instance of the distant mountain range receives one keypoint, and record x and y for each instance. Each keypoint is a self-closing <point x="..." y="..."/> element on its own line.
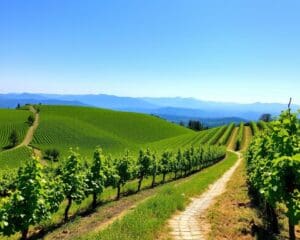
<point x="174" y="109"/>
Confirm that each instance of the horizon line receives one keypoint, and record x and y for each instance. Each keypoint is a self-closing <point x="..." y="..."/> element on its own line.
<point x="126" y="96"/>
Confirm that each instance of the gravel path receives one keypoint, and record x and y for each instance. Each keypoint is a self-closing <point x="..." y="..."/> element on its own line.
<point x="188" y="225"/>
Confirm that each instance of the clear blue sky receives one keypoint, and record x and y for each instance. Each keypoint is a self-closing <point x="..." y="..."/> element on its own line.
<point x="230" y="50"/>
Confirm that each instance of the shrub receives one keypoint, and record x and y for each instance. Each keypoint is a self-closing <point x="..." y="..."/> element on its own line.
<point x="52" y="154"/>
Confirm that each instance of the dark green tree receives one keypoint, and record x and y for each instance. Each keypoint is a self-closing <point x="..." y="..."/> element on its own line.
<point x="30" y="120"/>
<point x="266" y="117"/>
<point x="52" y="154"/>
<point x="13" y="138"/>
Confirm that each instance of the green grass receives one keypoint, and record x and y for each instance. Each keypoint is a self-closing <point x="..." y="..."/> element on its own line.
<point x="63" y="127"/>
<point x="147" y="220"/>
<point x="15" y="157"/>
<point x="11" y="119"/>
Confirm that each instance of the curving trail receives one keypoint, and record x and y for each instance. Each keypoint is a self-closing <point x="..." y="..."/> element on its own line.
<point x="29" y="135"/>
<point x="188" y="225"/>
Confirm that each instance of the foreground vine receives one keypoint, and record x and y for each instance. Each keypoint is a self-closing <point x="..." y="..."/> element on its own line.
<point x="38" y="192"/>
<point x="274" y="170"/>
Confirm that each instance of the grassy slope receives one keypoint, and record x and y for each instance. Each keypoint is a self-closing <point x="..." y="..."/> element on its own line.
<point x="148" y="219"/>
<point x="182" y="141"/>
<point x="12" y="119"/>
<point x="14" y="158"/>
<point x="63" y="127"/>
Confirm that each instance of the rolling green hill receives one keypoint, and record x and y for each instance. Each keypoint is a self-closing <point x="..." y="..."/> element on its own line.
<point x="15" y="157"/>
<point x="182" y="141"/>
<point x="10" y="120"/>
<point x="63" y="127"/>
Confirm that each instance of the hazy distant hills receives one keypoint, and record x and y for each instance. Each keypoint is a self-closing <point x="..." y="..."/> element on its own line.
<point x="174" y="109"/>
<point x="192" y="103"/>
<point x="12" y="100"/>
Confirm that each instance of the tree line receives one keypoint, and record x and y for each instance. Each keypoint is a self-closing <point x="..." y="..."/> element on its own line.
<point x="37" y="192"/>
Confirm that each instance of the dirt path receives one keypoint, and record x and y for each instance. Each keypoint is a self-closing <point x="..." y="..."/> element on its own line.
<point x="29" y="135"/>
<point x="189" y="225"/>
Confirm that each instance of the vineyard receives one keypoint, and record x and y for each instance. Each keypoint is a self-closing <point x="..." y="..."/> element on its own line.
<point x="254" y="128"/>
<point x="274" y="171"/>
<point x="63" y="127"/>
<point x="87" y="128"/>
<point x="75" y="181"/>
<point x="263" y="126"/>
<point x="176" y="152"/>
<point x="12" y="120"/>
<point x="15" y="157"/>
<point x="239" y="138"/>
<point x="223" y="140"/>
<point x="78" y="182"/>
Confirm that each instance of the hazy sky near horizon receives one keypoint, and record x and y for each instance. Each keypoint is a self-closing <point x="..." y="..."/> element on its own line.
<point x="237" y="51"/>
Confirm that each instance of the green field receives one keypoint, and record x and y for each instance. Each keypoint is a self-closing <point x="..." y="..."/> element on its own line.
<point x="15" y="157"/>
<point x="63" y="127"/>
<point x="85" y="128"/>
<point x="147" y="220"/>
<point x="182" y="141"/>
<point x="12" y="120"/>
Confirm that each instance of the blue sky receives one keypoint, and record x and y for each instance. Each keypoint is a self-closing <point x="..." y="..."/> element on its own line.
<point x="230" y="50"/>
